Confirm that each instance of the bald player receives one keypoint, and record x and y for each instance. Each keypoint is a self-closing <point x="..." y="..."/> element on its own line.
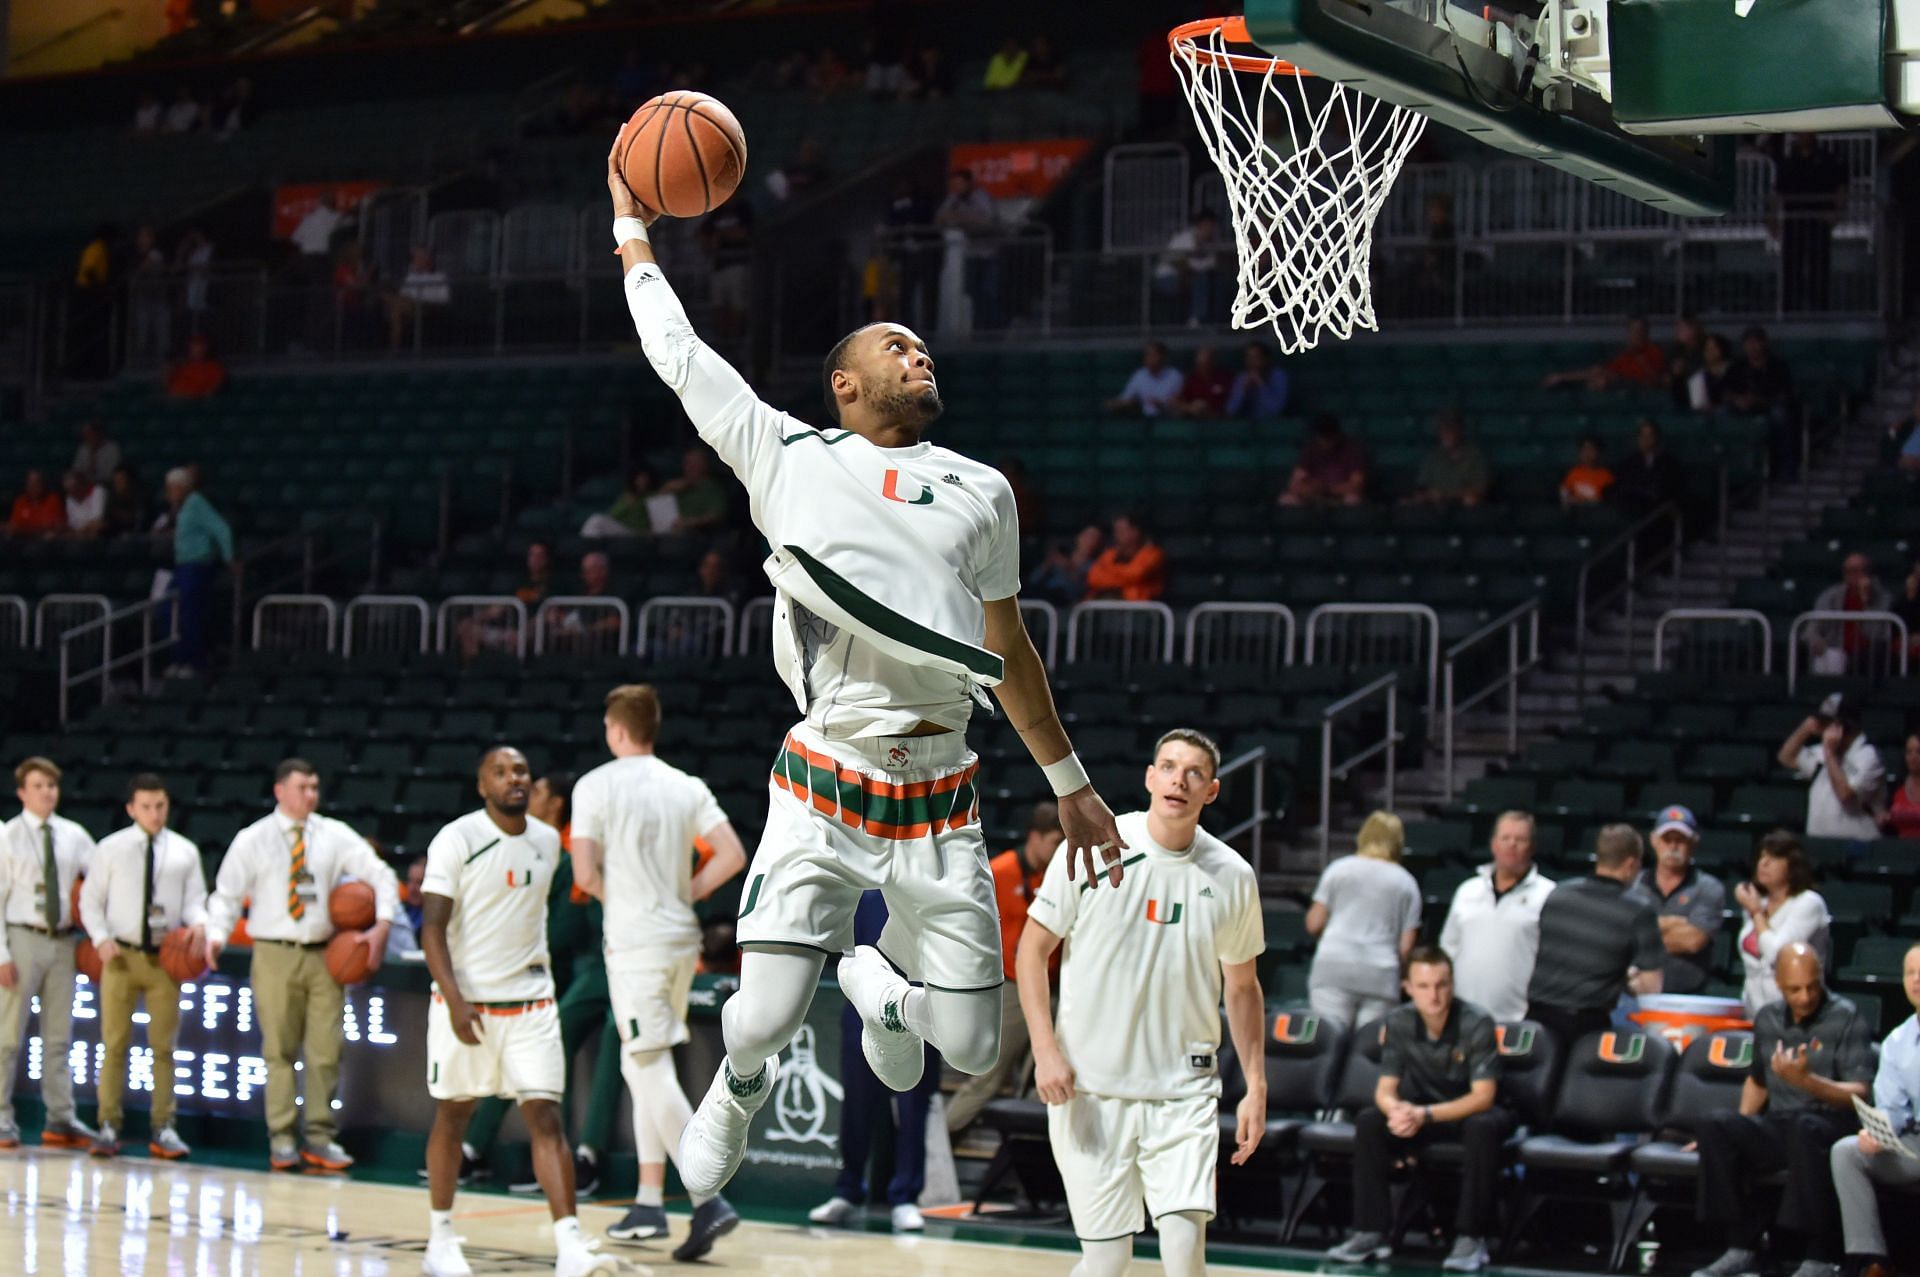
<point x="1812" y="1057"/>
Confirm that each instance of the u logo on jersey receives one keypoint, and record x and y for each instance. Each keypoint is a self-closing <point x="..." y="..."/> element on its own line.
<point x="1731" y="1051"/>
<point x="1613" y="1051"/>
<point x="890" y="489"/>
<point x="1158" y="913"/>
<point x="519" y="877"/>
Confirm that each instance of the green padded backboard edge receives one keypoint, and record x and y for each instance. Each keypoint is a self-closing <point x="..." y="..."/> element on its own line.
<point x="1397" y="57"/>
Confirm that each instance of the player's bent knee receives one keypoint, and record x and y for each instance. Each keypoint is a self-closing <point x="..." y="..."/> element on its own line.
<point x="1104" y="1258"/>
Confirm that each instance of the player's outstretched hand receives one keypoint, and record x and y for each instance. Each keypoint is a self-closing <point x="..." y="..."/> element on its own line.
<point x="1093" y="840"/>
<point x="625" y="202"/>
<point x="1250" y="1123"/>
<point x="1052" y="1077"/>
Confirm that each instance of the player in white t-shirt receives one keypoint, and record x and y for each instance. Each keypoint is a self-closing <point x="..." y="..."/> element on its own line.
<point x="635" y="821"/>
<point x="1130" y="1071"/>
<point x="896" y="565"/>
<point x="492" y="1028"/>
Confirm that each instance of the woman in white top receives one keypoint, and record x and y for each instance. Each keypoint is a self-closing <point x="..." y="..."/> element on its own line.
<point x="1782" y="908"/>
<point x="1366" y="914"/>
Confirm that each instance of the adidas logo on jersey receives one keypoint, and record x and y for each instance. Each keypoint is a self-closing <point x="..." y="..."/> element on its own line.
<point x="1206" y="893"/>
<point x="950" y="478"/>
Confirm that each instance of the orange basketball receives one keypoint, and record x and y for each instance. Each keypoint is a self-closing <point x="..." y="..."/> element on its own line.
<point x="684" y="153"/>
<point x="351" y="906"/>
<point x="347" y="959"/>
<point x="182" y="960"/>
<point x="86" y="959"/>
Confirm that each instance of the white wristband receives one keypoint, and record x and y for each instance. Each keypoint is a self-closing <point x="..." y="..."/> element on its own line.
<point x="629" y="228"/>
<point x="1066" y="776"/>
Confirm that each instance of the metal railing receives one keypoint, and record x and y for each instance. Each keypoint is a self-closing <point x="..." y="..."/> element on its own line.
<point x="1388" y="744"/>
<point x="1626" y="546"/>
<point x="1259" y="634"/>
<point x="1521" y="626"/>
<point x="756" y="623"/>
<point x="62" y="612"/>
<point x="1890" y="654"/>
<point x="689" y="625"/>
<point x="14" y="627"/>
<point x="296" y="623"/>
<point x="481" y="623"/>
<point x="1705" y="650"/>
<point x="1144" y="629"/>
<point x="72" y="677"/>
<point x="583" y="625"/>
<point x="1370" y="634"/>
<point x="1049" y="616"/>
<point x="1254" y="762"/>
<point x="390" y="622"/>
<point x="253" y="568"/>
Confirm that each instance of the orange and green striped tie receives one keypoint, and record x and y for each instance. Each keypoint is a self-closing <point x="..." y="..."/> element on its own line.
<point x="297" y="867"/>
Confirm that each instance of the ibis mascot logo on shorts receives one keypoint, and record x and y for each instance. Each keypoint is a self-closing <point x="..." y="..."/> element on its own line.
<point x="1158" y="913"/>
<point x="800" y="1095"/>
<point x="890" y="489"/>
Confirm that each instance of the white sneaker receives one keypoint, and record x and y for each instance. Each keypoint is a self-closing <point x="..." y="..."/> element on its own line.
<point x="835" y="1210"/>
<point x="587" y="1260"/>
<point x="907" y="1218"/>
<point x="715" y="1141"/>
<point x="445" y="1259"/>
<point x="894" y="1052"/>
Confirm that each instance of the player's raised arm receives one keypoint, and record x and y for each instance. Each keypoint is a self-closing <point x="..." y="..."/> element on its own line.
<point x="1023" y="693"/>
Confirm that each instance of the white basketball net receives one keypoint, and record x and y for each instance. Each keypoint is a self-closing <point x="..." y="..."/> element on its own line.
<point x="1303" y="201"/>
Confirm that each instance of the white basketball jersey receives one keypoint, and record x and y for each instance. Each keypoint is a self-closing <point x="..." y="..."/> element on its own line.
<point x="645" y="815"/>
<point x="498" y="883"/>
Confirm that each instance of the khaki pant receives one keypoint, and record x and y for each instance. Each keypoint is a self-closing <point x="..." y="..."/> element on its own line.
<point x="45" y="964"/>
<point x="299" y="1006"/>
<point x="1011" y="1066"/>
<point x="123" y="980"/>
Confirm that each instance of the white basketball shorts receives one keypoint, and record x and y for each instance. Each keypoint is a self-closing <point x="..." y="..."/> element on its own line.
<point x="648" y="989"/>
<point x="519" y="1055"/>
<point x="1114" y="1154"/>
<point x="894" y="813"/>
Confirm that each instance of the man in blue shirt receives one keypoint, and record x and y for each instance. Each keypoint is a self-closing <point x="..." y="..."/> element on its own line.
<point x="1260" y="391"/>
<point x="202" y="541"/>
<point x="1859" y="1163"/>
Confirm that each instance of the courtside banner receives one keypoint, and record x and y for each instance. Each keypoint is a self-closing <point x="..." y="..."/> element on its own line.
<point x="1019" y="170"/>
<point x="291" y="203"/>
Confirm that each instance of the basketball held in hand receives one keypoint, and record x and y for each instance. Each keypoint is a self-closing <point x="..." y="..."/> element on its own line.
<point x="182" y="960"/>
<point x="684" y="154"/>
<point x="349" y="961"/>
<point x="351" y="906"/>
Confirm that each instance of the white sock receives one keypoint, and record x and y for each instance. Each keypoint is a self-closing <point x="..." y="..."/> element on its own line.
<point x="442" y="1225"/>
<point x="914" y="1009"/>
<point x="566" y="1235"/>
<point x="650" y="1195"/>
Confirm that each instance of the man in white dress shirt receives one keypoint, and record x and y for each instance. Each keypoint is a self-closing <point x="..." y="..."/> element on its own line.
<point x="41" y="854"/>
<point x="1493" y="927"/>
<point x="492" y="1028"/>
<point x="287" y="864"/>
<point x="146" y="880"/>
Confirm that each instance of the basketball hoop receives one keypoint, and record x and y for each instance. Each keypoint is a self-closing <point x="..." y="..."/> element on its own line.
<point x="1302" y="218"/>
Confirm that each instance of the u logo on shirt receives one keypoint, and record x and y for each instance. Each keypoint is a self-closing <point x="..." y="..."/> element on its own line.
<point x="1157" y="913"/>
<point x="519" y="877"/>
<point x="890" y="489"/>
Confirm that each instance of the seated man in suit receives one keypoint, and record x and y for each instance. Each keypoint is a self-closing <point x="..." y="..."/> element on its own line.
<point x="1812" y="1055"/>
<point x="1439" y="1070"/>
<point x="1860" y="1162"/>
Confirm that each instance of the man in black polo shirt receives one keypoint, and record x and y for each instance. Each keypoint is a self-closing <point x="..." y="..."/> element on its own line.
<point x="1596" y="941"/>
<point x="1689" y="905"/>
<point x="1812" y="1054"/>
<point x="1439" y="1070"/>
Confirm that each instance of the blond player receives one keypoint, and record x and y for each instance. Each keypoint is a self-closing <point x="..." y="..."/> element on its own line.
<point x="635" y="820"/>
<point x="493" y="1028"/>
<point x="1129" y="1072"/>
<point x="896" y="566"/>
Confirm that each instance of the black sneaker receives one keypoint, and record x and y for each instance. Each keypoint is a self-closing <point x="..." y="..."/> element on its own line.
<point x="640" y="1224"/>
<point x="471" y="1168"/>
<point x="586" y="1172"/>
<point x="711" y="1222"/>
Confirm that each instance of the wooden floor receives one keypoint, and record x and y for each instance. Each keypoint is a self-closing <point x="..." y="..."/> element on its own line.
<point x="66" y="1215"/>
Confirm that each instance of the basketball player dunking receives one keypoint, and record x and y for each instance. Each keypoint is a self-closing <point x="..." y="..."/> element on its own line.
<point x="895" y="565"/>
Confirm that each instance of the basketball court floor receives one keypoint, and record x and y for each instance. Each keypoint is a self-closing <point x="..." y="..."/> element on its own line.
<point x="67" y="1215"/>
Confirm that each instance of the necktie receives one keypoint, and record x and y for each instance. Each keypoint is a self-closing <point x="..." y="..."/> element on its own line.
<point x="50" y="868"/>
<point x="297" y="867"/>
<point x="146" y="901"/>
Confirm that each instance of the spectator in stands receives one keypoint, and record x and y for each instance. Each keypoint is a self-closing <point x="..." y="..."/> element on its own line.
<point x="194" y="255"/>
<point x="1849" y="644"/>
<point x="1651" y="476"/>
<point x="932" y="72"/>
<point x="1907" y="608"/>
<point x="800" y="176"/>
<point x="186" y="115"/>
<point x="828" y="74"/>
<point x="1810" y="183"/>
<point x="1859" y="1163"/>
<point x="1902" y="818"/>
<point x="1639" y="365"/>
<point x="90" y="310"/>
<point x="1587" y="482"/>
<point x="888" y="75"/>
<point x="1812" y="1057"/>
<point x="149" y="309"/>
<point x="969" y="209"/>
<point x="1689" y="905"/>
<point x="202" y="541"/>
<point x="1706" y="389"/>
<point x="423" y="287"/>
<point x="1843" y="769"/>
<point x="1455" y="471"/>
<point x="1439" y="1077"/>
<point x="38" y="510"/>
<point x="1132" y="568"/>
<point x="1061" y="577"/>
<point x="146" y="114"/>
<point x="200" y="375"/>
<point x="86" y="505"/>
<point x="701" y="496"/>
<point x="489" y="627"/>
<point x="1782" y="909"/>
<point x="1685" y="358"/>
<point x="1761" y="385"/>
<point x="1191" y="266"/>
<point x="1017" y="873"/>
<point x="913" y="253"/>
<point x="126" y="503"/>
<point x="539" y="583"/>
<point x="1331" y="470"/>
<point x="1045" y="69"/>
<point x="235" y="110"/>
<point x="1006" y="66"/>
<point x="413" y="902"/>
<point x="715" y="579"/>
<point x="97" y="457"/>
<point x="1493" y="925"/>
<point x="1894" y="437"/>
<point x="728" y="236"/>
<point x="353" y="296"/>
<point x="1366" y="916"/>
<point x="588" y="628"/>
<point x="627" y="516"/>
<point x="313" y="235"/>
<point x="1260" y="389"/>
<point x="1154" y="388"/>
<point x="1597" y="941"/>
<point x="1203" y="396"/>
